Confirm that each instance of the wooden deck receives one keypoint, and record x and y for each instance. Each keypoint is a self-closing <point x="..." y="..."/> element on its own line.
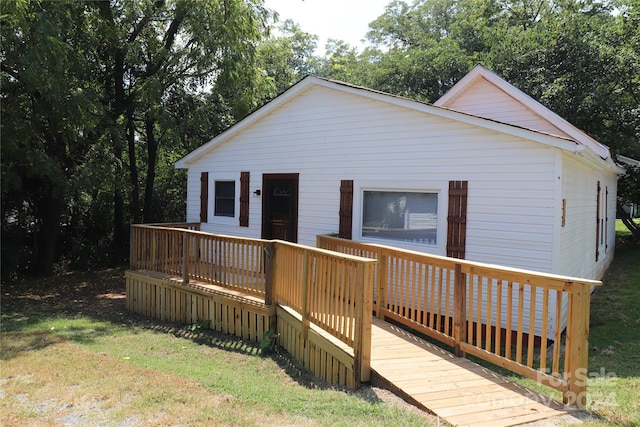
<point x="456" y="389"/>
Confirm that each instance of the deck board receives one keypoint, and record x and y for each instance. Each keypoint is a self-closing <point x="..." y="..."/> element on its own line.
<point x="456" y="389"/>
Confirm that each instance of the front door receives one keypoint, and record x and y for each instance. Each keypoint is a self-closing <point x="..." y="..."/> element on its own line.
<point x="280" y="207"/>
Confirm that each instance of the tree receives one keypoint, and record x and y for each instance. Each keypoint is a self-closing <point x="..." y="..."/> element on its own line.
<point x="287" y="57"/>
<point x="50" y="107"/>
<point x="154" y="46"/>
<point x="92" y="98"/>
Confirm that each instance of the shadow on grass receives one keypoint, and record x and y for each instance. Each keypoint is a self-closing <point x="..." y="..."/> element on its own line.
<point x="90" y="305"/>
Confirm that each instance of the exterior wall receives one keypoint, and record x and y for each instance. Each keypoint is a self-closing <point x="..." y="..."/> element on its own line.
<point x="577" y="248"/>
<point x="483" y="99"/>
<point x="327" y="135"/>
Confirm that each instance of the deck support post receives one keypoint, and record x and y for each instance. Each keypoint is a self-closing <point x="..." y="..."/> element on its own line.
<point x="577" y="347"/>
<point x="459" y="309"/>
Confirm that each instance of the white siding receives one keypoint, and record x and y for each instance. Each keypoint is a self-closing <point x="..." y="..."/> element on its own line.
<point x="578" y="236"/>
<point x="484" y="99"/>
<point x="327" y="135"/>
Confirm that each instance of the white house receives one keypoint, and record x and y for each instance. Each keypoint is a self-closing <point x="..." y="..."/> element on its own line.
<point x="326" y="156"/>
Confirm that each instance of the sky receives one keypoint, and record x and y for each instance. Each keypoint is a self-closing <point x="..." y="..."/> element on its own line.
<point x="346" y="20"/>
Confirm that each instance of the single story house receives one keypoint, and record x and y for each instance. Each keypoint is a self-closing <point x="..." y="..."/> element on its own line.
<point x="327" y="156"/>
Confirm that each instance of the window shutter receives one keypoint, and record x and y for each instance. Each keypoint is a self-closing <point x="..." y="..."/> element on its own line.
<point x="204" y="196"/>
<point x="346" y="209"/>
<point x="457" y="219"/>
<point x="606" y="218"/>
<point x="598" y="222"/>
<point x="244" y="199"/>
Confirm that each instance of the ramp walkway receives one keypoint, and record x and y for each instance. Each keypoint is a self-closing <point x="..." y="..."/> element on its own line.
<point x="457" y="390"/>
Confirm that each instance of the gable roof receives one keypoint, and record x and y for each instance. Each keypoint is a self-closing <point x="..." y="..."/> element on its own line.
<point x="298" y="89"/>
<point x="480" y="75"/>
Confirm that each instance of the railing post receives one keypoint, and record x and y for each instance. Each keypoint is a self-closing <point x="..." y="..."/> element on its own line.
<point x="459" y="309"/>
<point x="364" y="314"/>
<point x="132" y="248"/>
<point x="577" y="346"/>
<point x="305" y="294"/>
<point x="269" y="271"/>
<point x="185" y="257"/>
<point x="381" y="285"/>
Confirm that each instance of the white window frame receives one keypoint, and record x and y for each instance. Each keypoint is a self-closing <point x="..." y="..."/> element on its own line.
<point x="438" y="188"/>
<point x="218" y="219"/>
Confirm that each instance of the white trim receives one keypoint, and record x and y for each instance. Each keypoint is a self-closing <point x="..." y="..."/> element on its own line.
<point x="439" y="188"/>
<point x="557" y="217"/>
<point x="219" y="219"/>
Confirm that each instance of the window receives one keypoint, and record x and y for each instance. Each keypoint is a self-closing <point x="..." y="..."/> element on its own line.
<point x="225" y="198"/>
<point x="404" y="216"/>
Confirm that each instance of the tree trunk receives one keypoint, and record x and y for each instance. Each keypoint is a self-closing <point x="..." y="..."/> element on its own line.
<point x="152" y="156"/>
<point x="50" y="208"/>
<point x="133" y="170"/>
<point x="119" y="244"/>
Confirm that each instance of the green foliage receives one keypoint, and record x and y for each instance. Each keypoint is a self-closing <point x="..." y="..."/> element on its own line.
<point x="629" y="186"/>
<point x="99" y="99"/>
<point x="198" y="326"/>
<point x="286" y="58"/>
<point x="268" y="342"/>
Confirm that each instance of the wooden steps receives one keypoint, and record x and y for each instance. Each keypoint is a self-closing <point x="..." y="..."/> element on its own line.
<point x="456" y="389"/>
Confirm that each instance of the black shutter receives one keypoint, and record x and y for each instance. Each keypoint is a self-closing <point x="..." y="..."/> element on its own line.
<point x="598" y="222"/>
<point x="244" y="199"/>
<point x="606" y="218"/>
<point x="204" y="196"/>
<point x="457" y="219"/>
<point x="346" y="209"/>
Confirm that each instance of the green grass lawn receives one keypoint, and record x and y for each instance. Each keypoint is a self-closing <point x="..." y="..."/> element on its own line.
<point x="614" y="337"/>
<point x="614" y="342"/>
<point x="71" y="355"/>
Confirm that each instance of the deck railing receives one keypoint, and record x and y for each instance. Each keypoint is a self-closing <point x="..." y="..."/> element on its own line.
<point x="330" y="290"/>
<point x="232" y="262"/>
<point x="498" y="314"/>
<point x="334" y="289"/>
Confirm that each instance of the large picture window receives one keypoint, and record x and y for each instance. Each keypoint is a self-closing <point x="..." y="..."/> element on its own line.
<point x="403" y="216"/>
<point x="225" y="198"/>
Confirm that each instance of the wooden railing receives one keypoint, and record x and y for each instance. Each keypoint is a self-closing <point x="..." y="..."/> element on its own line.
<point x="335" y="291"/>
<point x="498" y="314"/>
<point x="330" y="290"/>
<point x="231" y="262"/>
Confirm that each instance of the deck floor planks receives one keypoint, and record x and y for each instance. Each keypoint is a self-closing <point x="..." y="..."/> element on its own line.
<point x="456" y="389"/>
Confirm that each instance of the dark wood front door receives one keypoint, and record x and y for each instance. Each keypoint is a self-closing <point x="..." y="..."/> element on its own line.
<point x="280" y="207"/>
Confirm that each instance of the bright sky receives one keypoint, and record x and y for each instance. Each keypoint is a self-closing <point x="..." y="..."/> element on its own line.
<point x="346" y="20"/>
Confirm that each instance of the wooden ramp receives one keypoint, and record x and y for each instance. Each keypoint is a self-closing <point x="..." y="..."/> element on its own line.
<point x="458" y="390"/>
